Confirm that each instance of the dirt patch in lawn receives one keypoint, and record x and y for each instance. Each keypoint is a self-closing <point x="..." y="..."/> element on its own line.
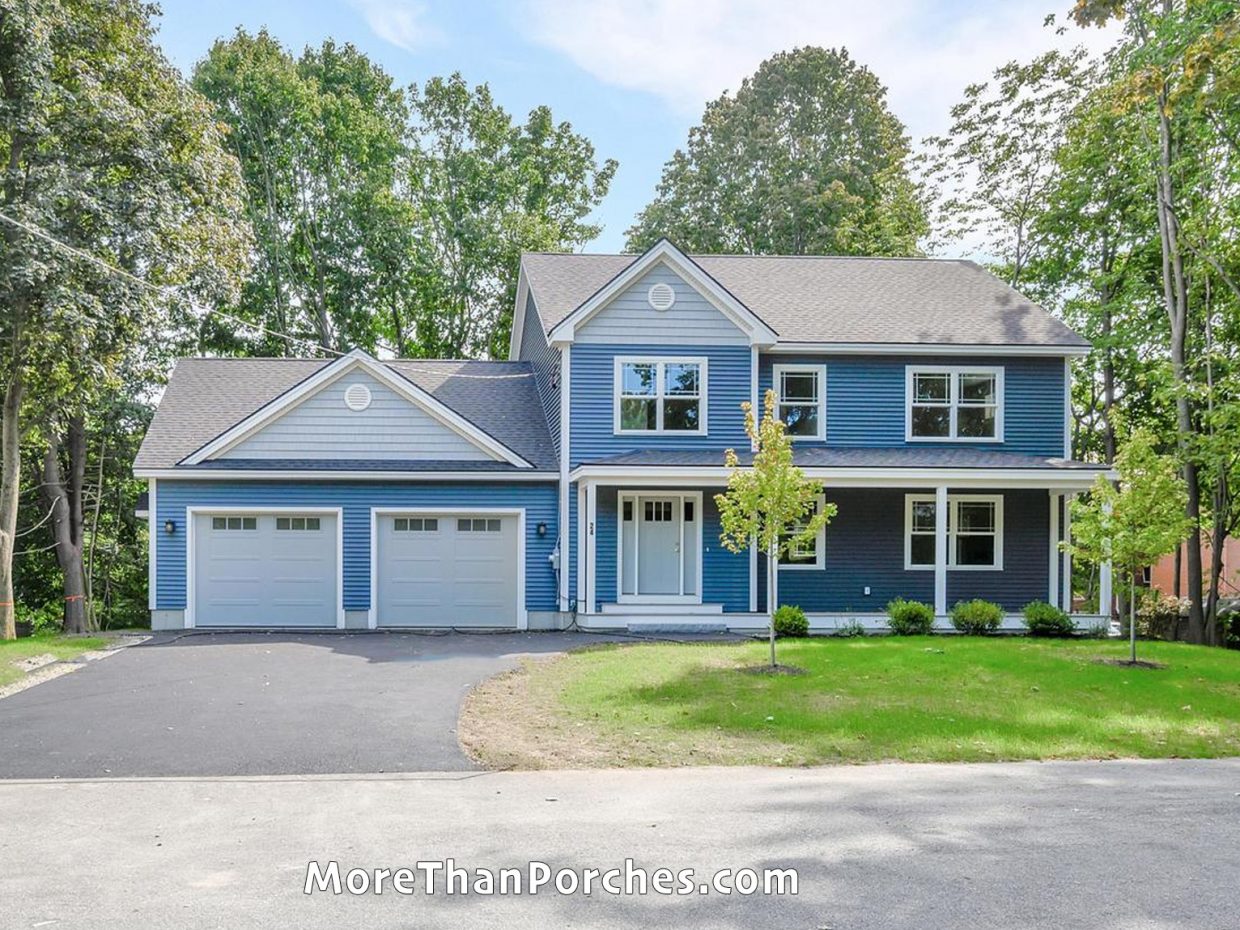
<point x="517" y="720"/>
<point x="506" y="723"/>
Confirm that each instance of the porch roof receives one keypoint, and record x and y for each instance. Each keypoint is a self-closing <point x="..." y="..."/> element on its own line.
<point x="828" y="457"/>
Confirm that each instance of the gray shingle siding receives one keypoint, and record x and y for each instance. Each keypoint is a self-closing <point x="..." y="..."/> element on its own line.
<point x="629" y="319"/>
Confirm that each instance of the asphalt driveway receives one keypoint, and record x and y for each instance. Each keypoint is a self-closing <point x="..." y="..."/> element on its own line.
<point x="260" y="704"/>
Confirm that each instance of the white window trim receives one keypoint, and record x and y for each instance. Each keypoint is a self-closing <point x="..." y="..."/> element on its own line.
<point x="953" y="500"/>
<point x="954" y="371"/>
<point x="820" y="373"/>
<point x="660" y="361"/>
<point x="820" y="548"/>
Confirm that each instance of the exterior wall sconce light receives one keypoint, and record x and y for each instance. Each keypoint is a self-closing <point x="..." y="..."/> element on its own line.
<point x="170" y="527"/>
<point x="541" y="529"/>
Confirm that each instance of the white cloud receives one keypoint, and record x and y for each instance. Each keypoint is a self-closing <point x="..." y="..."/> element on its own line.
<point x="400" y="22"/>
<point x="687" y="52"/>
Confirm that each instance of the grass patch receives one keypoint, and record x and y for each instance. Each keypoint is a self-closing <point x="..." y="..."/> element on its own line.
<point x="918" y="699"/>
<point x="62" y="647"/>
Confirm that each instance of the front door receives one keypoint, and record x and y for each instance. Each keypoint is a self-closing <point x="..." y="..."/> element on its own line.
<point x="659" y="545"/>
<point x="658" y="548"/>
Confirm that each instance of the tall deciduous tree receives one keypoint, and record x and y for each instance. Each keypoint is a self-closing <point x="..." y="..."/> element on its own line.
<point x="1135" y="521"/>
<point x="483" y="189"/>
<point x="321" y="141"/>
<point x="805" y="158"/>
<point x="1156" y="76"/>
<point x="769" y="504"/>
<point x="106" y="151"/>
<point x="993" y="171"/>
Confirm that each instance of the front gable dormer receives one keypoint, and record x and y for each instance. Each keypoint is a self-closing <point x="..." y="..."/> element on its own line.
<point x="663" y="296"/>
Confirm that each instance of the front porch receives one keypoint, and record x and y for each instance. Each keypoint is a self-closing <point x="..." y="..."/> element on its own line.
<point x="650" y="557"/>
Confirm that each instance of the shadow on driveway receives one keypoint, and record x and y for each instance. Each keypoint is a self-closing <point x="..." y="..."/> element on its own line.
<point x="261" y="704"/>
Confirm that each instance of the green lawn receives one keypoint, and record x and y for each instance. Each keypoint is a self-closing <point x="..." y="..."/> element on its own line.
<point x="62" y="647"/>
<point x="932" y="699"/>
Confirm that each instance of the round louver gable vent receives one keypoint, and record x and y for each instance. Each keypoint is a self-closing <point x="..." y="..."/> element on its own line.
<point x="357" y="397"/>
<point x="661" y="296"/>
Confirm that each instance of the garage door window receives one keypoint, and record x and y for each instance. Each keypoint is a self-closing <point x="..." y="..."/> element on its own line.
<point x="416" y="525"/>
<point x="234" y="523"/>
<point x="301" y="524"/>
<point x="478" y="525"/>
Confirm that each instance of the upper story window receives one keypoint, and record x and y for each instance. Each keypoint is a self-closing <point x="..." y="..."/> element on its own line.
<point x="660" y="395"/>
<point x="802" y="391"/>
<point x="954" y="404"/>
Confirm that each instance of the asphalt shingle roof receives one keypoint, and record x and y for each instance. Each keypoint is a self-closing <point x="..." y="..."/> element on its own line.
<point x="207" y="396"/>
<point x="834" y="299"/>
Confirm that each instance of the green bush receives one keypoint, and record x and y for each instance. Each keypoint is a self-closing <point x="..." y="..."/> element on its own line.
<point x="910" y="618"/>
<point x="44" y="620"/>
<point x="790" y="621"/>
<point x="1043" y="619"/>
<point x="851" y="629"/>
<point x="976" y="617"/>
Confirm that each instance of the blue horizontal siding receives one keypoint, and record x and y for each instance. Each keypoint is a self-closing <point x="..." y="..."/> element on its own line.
<point x="866" y="399"/>
<point x="356" y="499"/>
<point x="546" y="364"/>
<point x="593" y="400"/>
<point x="865" y="546"/>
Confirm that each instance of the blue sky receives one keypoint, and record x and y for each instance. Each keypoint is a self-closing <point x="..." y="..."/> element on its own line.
<point x="634" y="75"/>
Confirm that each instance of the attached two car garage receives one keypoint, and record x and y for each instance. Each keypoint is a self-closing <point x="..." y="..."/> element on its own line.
<point x="283" y="569"/>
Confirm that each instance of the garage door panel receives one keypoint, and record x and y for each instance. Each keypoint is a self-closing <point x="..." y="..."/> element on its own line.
<point x="463" y="573"/>
<point x="261" y="576"/>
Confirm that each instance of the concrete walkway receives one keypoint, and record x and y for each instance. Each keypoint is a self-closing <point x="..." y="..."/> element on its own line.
<point x="1105" y="846"/>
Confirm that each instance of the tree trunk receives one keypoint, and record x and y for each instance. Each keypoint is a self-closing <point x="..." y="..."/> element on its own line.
<point x="772" y="596"/>
<point x="65" y="501"/>
<point x="1175" y="296"/>
<point x="10" y="475"/>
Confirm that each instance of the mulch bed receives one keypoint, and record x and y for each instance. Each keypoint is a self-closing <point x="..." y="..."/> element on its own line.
<point x="1128" y="663"/>
<point x="773" y="670"/>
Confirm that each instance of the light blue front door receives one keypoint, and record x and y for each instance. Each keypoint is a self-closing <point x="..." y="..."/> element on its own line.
<point x="658" y="546"/>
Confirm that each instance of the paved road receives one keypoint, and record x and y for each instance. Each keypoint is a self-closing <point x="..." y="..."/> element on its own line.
<point x="1104" y="846"/>
<point x="259" y="704"/>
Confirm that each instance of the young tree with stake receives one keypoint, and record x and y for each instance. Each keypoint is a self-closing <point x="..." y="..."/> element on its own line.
<point x="770" y="504"/>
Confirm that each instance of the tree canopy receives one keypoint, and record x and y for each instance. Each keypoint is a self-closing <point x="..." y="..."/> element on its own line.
<point x="804" y="159"/>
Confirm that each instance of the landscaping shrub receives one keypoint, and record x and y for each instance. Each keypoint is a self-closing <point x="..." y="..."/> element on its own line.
<point x="910" y="618"/>
<point x="976" y="617"/>
<point x="851" y="629"/>
<point x="1043" y="619"/>
<point x="1158" y="615"/>
<point x="790" y="621"/>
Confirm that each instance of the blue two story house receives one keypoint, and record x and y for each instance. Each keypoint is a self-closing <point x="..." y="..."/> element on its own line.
<point x="575" y="482"/>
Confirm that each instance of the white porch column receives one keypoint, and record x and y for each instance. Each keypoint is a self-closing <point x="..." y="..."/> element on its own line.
<point x="591" y="561"/>
<point x="581" y="546"/>
<point x="940" y="551"/>
<point x="1052" y="594"/>
<point x="1066" y="571"/>
<point x="1104" y="590"/>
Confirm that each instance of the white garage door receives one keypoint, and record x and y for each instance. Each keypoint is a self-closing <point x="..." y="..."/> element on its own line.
<point x="265" y="569"/>
<point x="442" y="570"/>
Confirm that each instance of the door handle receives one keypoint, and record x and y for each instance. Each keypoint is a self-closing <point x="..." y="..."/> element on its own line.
<point x="675" y="547"/>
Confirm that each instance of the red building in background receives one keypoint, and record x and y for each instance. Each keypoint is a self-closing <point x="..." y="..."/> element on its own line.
<point x="1162" y="575"/>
